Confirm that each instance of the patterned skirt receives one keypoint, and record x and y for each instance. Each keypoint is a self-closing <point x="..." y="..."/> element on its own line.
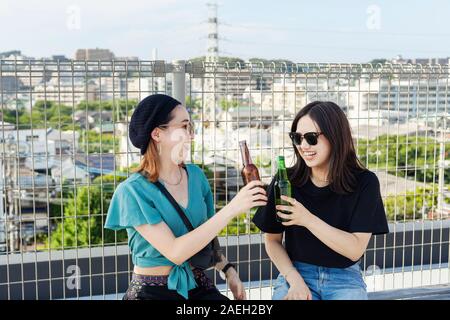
<point x="155" y="288"/>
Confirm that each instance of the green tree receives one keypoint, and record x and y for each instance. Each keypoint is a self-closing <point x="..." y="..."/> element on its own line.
<point x="122" y="108"/>
<point x="377" y="61"/>
<point x="404" y="156"/>
<point x="239" y="225"/>
<point x="12" y="116"/>
<point x="46" y="114"/>
<point x="269" y="61"/>
<point x="226" y="104"/>
<point x="262" y="161"/>
<point x="93" y="142"/>
<point x="232" y="61"/>
<point x="84" y="216"/>
<point x="413" y="204"/>
<point x="194" y="106"/>
<point x="78" y="227"/>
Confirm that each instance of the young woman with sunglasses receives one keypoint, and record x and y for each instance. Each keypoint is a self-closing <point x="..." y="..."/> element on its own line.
<point x="335" y="208"/>
<point x="161" y="245"/>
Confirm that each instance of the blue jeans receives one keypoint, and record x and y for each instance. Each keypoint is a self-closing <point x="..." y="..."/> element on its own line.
<point x="326" y="283"/>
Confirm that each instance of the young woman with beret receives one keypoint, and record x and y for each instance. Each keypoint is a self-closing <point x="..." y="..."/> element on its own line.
<point x="160" y="242"/>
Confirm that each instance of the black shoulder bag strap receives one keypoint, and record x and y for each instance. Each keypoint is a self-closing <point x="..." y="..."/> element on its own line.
<point x="175" y="204"/>
<point x="217" y="252"/>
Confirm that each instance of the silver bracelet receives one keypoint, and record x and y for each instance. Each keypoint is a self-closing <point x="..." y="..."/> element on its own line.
<point x="222" y="263"/>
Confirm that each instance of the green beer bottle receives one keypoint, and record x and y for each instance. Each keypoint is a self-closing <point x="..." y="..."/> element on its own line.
<point x="282" y="187"/>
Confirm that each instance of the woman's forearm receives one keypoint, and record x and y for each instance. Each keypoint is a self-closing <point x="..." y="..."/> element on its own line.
<point x="278" y="255"/>
<point x="344" y="243"/>
<point x="187" y="245"/>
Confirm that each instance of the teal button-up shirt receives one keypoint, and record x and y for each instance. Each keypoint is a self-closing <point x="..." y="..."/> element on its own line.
<point x="137" y="201"/>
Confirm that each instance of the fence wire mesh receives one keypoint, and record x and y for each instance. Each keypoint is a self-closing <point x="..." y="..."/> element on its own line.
<point x="65" y="148"/>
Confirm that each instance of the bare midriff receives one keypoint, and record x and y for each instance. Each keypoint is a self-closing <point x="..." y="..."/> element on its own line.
<point x="154" y="271"/>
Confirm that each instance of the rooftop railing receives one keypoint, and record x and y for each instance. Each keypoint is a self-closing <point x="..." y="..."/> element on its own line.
<point x="64" y="148"/>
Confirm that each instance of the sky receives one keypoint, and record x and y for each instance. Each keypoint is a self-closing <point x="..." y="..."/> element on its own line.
<point x="301" y="31"/>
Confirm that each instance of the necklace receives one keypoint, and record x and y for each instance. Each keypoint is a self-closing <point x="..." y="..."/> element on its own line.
<point x="173" y="184"/>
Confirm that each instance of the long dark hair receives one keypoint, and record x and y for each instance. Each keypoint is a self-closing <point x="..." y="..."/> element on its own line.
<point x="344" y="164"/>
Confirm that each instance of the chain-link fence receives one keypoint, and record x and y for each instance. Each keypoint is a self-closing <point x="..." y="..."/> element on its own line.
<point x="65" y="148"/>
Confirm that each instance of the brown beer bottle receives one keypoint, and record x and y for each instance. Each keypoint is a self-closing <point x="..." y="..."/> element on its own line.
<point x="249" y="171"/>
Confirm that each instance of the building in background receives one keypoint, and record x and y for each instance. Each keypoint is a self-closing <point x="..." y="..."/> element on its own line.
<point x="94" y="54"/>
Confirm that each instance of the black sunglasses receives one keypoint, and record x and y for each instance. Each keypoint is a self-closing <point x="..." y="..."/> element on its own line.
<point x="310" y="137"/>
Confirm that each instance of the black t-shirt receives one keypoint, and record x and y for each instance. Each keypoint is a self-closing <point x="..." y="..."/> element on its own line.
<point x="359" y="211"/>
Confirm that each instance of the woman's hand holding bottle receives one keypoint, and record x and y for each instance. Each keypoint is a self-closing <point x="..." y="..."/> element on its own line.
<point x="250" y="196"/>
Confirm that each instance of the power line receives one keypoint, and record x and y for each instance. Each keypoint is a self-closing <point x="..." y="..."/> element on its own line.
<point x="333" y="31"/>
<point x="292" y="44"/>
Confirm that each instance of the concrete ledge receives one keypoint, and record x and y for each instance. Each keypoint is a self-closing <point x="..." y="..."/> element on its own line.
<point x="438" y="292"/>
<point x="263" y="291"/>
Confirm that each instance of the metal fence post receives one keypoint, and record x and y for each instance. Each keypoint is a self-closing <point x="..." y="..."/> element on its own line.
<point x="179" y="80"/>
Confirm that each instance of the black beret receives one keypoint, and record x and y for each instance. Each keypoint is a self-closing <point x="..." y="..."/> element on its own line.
<point x="149" y="114"/>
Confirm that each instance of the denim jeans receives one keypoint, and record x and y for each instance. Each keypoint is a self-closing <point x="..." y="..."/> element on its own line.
<point x="326" y="283"/>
